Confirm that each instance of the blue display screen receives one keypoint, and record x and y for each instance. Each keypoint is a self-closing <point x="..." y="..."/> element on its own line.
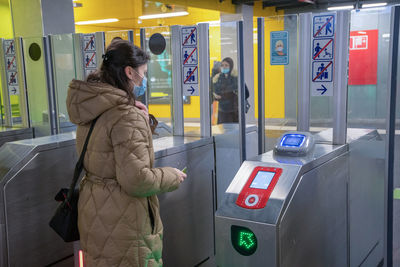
<point x="293" y="140"/>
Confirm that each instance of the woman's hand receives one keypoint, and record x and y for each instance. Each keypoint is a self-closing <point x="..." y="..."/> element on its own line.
<point x="142" y="107"/>
<point x="182" y="176"/>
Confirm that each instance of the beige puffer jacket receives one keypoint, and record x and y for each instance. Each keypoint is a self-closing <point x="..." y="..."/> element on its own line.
<point x="119" y="220"/>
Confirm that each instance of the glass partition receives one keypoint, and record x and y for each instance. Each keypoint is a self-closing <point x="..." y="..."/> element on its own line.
<point x="36" y="85"/>
<point x="159" y="75"/>
<point x="63" y="53"/>
<point x="280" y="37"/>
<point x="224" y="76"/>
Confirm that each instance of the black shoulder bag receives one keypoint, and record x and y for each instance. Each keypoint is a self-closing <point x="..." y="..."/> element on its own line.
<point x="65" y="219"/>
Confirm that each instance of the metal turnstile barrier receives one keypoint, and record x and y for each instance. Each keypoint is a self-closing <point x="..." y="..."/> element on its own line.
<point x="32" y="171"/>
<point x="321" y="209"/>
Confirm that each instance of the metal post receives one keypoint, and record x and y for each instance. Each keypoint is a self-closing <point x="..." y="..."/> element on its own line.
<point x="23" y="94"/>
<point x="143" y="46"/>
<point x="53" y="118"/>
<point x="340" y="77"/>
<point x="390" y="132"/>
<point x="131" y="38"/>
<point x="304" y="76"/>
<point x="241" y="94"/>
<point x="6" y="95"/>
<point x="79" y="69"/>
<point x="177" y="97"/>
<point x="204" y="78"/>
<point x="261" y="85"/>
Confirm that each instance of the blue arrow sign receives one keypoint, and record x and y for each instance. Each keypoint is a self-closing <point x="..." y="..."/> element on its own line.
<point x="323" y="89"/>
<point x="191" y="90"/>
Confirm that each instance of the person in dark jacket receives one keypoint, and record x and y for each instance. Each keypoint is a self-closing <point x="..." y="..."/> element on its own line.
<point x="225" y="86"/>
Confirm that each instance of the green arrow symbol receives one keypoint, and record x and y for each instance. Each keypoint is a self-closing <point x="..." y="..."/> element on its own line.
<point x="246" y="240"/>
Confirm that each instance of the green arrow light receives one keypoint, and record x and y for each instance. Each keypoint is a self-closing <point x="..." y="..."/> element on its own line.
<point x="243" y="240"/>
<point x="246" y="240"/>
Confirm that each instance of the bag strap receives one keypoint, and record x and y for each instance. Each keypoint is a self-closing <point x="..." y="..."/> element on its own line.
<point x="79" y="164"/>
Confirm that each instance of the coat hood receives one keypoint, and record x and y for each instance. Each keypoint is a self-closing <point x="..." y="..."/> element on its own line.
<point x="87" y="100"/>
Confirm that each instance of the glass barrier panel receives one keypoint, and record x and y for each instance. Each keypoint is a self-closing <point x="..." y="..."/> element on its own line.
<point x="159" y="77"/>
<point x="63" y="71"/>
<point x="280" y="33"/>
<point x="368" y="84"/>
<point x="36" y="85"/>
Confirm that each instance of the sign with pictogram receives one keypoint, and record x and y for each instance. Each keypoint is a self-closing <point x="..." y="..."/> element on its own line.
<point x="89" y="53"/>
<point x="189" y="36"/>
<point x="322" y="56"/>
<point x="323" y="49"/>
<point x="189" y="60"/>
<point x="11" y="67"/>
<point x="189" y="55"/>
<point x="279" y="48"/>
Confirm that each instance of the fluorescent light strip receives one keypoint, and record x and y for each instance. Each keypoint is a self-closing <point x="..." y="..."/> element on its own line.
<point x="373" y="5"/>
<point x="164" y="15"/>
<point x="340" y="7"/>
<point x="96" y="21"/>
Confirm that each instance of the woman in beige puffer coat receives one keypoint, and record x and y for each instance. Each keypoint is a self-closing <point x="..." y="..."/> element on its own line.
<point x="118" y="210"/>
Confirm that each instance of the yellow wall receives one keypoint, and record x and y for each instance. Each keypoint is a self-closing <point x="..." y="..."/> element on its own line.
<point x="130" y="11"/>
<point x="274" y="75"/>
<point x="6" y="30"/>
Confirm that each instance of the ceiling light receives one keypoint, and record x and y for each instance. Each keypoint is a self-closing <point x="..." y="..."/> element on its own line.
<point x="373" y="5"/>
<point x="164" y="15"/>
<point x="96" y="21"/>
<point x="340" y="7"/>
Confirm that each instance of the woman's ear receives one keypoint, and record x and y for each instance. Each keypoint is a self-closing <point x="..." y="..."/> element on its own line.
<point x="129" y="72"/>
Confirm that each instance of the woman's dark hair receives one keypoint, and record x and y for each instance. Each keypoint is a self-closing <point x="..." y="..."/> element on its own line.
<point x="230" y="62"/>
<point x="119" y="54"/>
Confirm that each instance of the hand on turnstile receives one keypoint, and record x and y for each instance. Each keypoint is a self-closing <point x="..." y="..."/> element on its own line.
<point x="182" y="175"/>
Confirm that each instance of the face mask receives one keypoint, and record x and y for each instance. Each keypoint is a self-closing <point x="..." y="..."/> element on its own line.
<point x="279" y="49"/>
<point x="225" y="70"/>
<point x="140" y="90"/>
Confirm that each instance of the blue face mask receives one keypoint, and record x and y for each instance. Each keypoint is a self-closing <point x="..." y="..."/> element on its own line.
<point x="225" y="70"/>
<point x="140" y="90"/>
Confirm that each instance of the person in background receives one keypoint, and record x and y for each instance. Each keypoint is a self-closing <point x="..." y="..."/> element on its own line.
<point x="225" y="91"/>
<point x="118" y="210"/>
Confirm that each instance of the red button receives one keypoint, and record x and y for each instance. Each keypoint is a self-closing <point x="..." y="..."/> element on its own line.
<point x="252" y="199"/>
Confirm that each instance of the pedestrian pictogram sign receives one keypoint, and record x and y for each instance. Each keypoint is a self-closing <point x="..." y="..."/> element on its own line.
<point x="323" y="26"/>
<point x="322" y="56"/>
<point x="189" y="36"/>
<point x="189" y="56"/>
<point x="9" y="47"/>
<point x="322" y="49"/>
<point x="189" y="59"/>
<point x="89" y="53"/>
<point x="11" y="66"/>
<point x="89" y="43"/>
<point x="11" y="63"/>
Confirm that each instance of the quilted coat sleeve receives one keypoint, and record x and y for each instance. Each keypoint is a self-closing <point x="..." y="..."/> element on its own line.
<point x="130" y="141"/>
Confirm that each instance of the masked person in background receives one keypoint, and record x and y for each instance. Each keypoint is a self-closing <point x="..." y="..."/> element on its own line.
<point x="225" y="86"/>
<point x="118" y="210"/>
<point x="225" y="91"/>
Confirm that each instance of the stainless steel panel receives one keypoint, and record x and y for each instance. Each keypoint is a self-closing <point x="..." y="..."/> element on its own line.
<point x="188" y="213"/>
<point x="313" y="228"/>
<point x="227" y="256"/>
<point x="14" y="134"/>
<point x="366" y="201"/>
<point x="29" y="205"/>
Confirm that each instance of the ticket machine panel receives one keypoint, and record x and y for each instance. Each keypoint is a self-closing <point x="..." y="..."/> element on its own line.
<point x="258" y="188"/>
